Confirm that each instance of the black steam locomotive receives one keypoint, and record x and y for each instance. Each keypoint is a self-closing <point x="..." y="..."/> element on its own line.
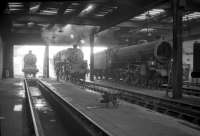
<point x="145" y="64"/>
<point x="70" y="65"/>
<point x="30" y="68"/>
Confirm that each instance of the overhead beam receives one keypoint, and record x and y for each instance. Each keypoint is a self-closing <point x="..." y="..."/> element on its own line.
<point x="99" y="6"/>
<point x="60" y="13"/>
<point x="48" y="0"/>
<point x="165" y="15"/>
<point x="27" y="30"/>
<point x="129" y="11"/>
<point x="48" y="19"/>
<point x="70" y="17"/>
<point x="26" y="38"/>
<point x="144" y="24"/>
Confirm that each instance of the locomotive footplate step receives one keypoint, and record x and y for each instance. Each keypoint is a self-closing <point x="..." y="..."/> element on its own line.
<point x="13" y="120"/>
<point x="151" y="92"/>
<point x="126" y="120"/>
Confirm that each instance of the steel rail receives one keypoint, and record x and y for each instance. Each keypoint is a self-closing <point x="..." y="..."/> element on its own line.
<point x="35" y="119"/>
<point x="189" y="90"/>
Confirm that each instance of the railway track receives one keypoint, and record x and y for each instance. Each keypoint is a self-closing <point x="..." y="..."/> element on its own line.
<point x="181" y="110"/>
<point x="35" y="124"/>
<point x="189" y="90"/>
<point x="53" y="115"/>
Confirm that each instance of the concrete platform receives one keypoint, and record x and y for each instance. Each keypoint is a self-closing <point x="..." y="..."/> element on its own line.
<point x="127" y="119"/>
<point x="152" y="92"/>
<point x="13" y="121"/>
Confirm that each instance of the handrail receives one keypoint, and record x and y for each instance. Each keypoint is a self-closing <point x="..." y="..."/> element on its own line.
<point x="36" y="122"/>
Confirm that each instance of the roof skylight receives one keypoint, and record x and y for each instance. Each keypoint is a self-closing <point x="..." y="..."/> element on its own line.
<point x="150" y="13"/>
<point x="48" y="12"/>
<point x="14" y="6"/>
<point x="88" y="9"/>
<point x="147" y="30"/>
<point x="68" y="10"/>
<point x="190" y="16"/>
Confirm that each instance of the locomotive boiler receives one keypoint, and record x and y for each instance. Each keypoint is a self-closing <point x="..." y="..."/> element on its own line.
<point x="70" y="65"/>
<point x="144" y="64"/>
<point x="30" y="68"/>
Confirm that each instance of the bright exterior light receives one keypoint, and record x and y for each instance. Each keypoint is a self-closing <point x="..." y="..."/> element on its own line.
<point x="82" y="41"/>
<point x="30" y="24"/>
<point x="67" y="26"/>
<point x="190" y="16"/>
<point x="21" y="51"/>
<point x="34" y="8"/>
<point x="71" y="36"/>
<point x="90" y="7"/>
<point x="151" y="13"/>
<point x="15" y="6"/>
<point x="147" y="30"/>
<point x="87" y="9"/>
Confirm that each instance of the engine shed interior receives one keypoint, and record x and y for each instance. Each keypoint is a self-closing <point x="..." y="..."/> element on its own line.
<point x="150" y="57"/>
<point x="104" y="23"/>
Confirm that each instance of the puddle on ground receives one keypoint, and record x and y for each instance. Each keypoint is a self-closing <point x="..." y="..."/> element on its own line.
<point x="21" y="93"/>
<point x="95" y="107"/>
<point x="17" y="107"/>
<point x="1" y="118"/>
<point x="52" y="120"/>
<point x="18" y="83"/>
<point x="41" y="104"/>
<point x="38" y="100"/>
<point x="91" y="91"/>
<point x="35" y="92"/>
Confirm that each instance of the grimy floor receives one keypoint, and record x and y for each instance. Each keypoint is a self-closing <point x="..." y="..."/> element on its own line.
<point x="127" y="119"/>
<point x="12" y="115"/>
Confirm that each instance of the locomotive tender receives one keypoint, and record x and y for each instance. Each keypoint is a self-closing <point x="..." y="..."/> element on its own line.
<point x="70" y="65"/>
<point x="145" y="64"/>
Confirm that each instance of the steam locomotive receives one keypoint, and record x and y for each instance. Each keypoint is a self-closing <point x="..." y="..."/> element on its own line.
<point x="70" y="65"/>
<point x="30" y="68"/>
<point x="145" y="65"/>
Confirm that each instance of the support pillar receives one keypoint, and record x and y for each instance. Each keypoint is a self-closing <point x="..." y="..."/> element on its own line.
<point x="5" y="30"/>
<point x="1" y="57"/>
<point x="92" y="56"/>
<point x="11" y="58"/>
<point x="8" y="49"/>
<point x="177" y="49"/>
<point x="46" y="62"/>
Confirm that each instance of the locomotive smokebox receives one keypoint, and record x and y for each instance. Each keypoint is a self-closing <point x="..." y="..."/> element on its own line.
<point x="163" y="51"/>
